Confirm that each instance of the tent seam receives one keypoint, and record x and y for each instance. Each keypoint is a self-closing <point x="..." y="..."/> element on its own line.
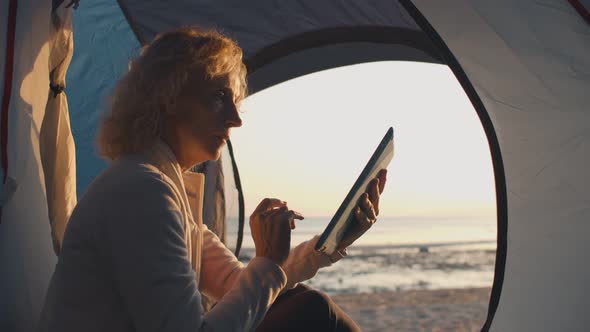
<point x="131" y="22"/>
<point x="317" y="38"/>
<point x="579" y="7"/>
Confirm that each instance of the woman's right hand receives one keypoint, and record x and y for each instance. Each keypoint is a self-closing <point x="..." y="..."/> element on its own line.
<point x="270" y="225"/>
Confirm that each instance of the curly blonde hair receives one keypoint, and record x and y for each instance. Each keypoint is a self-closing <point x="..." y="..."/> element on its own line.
<point x="155" y="80"/>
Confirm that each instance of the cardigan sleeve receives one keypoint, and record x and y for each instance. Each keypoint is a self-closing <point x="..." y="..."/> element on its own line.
<point x="151" y="270"/>
<point x="304" y="262"/>
<point x="219" y="266"/>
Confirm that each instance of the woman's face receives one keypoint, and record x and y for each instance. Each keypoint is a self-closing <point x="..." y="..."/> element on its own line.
<point x="202" y="120"/>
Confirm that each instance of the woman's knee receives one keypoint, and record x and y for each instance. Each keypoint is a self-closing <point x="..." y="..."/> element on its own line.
<point x="305" y="308"/>
<point x="316" y="297"/>
<point x="317" y="305"/>
<point x="327" y="313"/>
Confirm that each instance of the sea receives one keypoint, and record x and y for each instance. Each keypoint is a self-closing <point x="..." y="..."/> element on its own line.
<point x="404" y="254"/>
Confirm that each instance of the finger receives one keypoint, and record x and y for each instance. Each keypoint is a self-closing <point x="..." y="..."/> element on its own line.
<point x="275" y="213"/>
<point x="286" y="218"/>
<point x="374" y="194"/>
<point x="362" y="218"/>
<point x="291" y="216"/>
<point x="282" y="215"/>
<point x="269" y="203"/>
<point x="382" y="176"/>
<point x="297" y="215"/>
<point x="367" y="207"/>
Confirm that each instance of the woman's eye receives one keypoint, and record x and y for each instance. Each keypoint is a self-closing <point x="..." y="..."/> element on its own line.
<point x="219" y="97"/>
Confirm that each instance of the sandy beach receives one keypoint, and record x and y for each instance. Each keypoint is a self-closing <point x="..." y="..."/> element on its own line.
<point x="440" y="310"/>
<point x="433" y="284"/>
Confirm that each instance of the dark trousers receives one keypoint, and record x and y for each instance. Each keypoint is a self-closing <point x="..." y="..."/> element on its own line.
<point x="304" y="309"/>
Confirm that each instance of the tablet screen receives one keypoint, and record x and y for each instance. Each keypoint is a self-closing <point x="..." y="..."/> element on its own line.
<point x="344" y="216"/>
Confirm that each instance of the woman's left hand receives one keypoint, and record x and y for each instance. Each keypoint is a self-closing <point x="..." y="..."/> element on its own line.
<point x="366" y="211"/>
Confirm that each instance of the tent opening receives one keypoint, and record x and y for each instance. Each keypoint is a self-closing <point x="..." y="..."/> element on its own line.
<point x="307" y="139"/>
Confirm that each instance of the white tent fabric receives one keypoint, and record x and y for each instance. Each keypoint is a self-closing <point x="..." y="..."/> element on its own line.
<point x="56" y="143"/>
<point x="524" y="64"/>
<point x="530" y="65"/>
<point x="26" y="255"/>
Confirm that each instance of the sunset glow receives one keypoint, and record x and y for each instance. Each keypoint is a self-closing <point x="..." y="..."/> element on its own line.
<point x="306" y="140"/>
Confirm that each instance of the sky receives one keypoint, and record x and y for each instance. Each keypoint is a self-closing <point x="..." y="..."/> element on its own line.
<point x="306" y="141"/>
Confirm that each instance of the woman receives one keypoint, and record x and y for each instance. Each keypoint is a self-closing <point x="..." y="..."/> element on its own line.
<point x="136" y="255"/>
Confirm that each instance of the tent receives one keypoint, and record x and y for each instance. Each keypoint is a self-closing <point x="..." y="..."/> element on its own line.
<point x="524" y="64"/>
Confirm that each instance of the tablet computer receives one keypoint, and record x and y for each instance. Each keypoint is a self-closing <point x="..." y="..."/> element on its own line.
<point x="344" y="216"/>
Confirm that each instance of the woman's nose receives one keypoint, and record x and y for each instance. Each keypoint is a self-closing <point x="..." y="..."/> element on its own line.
<point x="233" y="117"/>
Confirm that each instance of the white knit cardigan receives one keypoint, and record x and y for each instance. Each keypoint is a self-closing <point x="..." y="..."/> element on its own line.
<point x="136" y="257"/>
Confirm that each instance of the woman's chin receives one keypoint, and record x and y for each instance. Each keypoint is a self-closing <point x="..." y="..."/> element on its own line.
<point x="214" y="154"/>
<point x="213" y="151"/>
